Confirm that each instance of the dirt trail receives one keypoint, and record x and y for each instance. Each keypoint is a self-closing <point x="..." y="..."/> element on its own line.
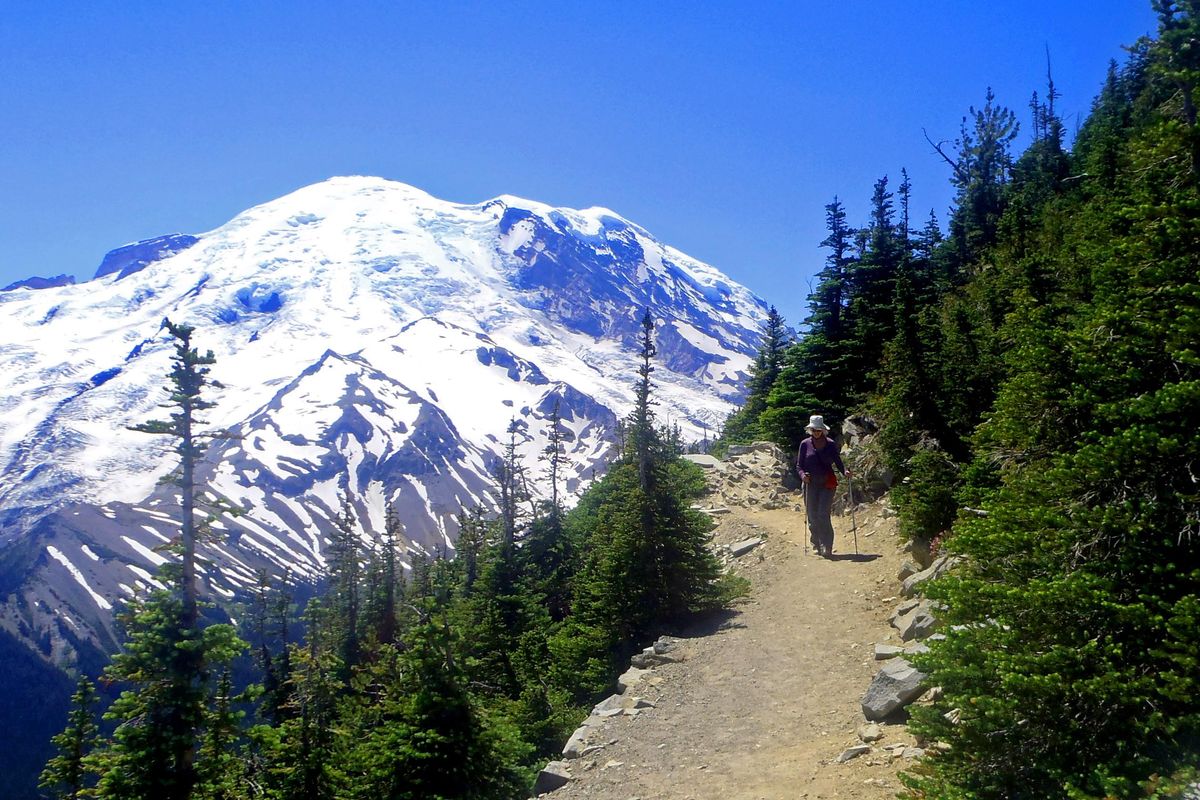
<point x="768" y="696"/>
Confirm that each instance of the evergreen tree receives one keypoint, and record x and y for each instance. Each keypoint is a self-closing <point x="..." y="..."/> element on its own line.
<point x="161" y="719"/>
<point x="743" y="425"/>
<point x="512" y="486"/>
<point x="66" y="774"/>
<point x="305" y="752"/>
<point x="422" y="734"/>
<point x="547" y="554"/>
<point x="980" y="171"/>
<point x="345" y="568"/>
<point x="873" y="291"/>
<point x="472" y="539"/>
<point x="388" y="614"/>
<point x="188" y="377"/>
<point x="222" y="764"/>
<point x="645" y="561"/>
<point x="643" y="439"/>
<point x="815" y="372"/>
<point x="168" y="655"/>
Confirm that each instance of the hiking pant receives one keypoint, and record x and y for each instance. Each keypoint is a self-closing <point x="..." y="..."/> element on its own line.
<point x="819" y="502"/>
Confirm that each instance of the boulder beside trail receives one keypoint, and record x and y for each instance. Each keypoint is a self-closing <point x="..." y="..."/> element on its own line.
<point x="894" y="687"/>
<point x="554" y="775"/>
<point x="704" y="460"/>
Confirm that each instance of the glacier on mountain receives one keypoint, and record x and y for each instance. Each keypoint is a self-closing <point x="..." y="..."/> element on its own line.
<point x="373" y="345"/>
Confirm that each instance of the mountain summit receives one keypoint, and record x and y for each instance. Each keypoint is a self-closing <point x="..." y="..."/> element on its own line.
<point x="374" y="345"/>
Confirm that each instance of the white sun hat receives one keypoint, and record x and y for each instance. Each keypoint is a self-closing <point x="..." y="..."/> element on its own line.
<point x="816" y="423"/>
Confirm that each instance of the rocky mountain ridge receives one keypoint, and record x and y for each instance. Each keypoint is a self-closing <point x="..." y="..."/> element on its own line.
<point x="373" y="345"/>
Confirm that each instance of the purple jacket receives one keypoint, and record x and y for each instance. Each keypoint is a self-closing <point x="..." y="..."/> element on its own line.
<point x="818" y="463"/>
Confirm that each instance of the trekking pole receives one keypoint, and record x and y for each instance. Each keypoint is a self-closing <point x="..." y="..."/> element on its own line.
<point x="807" y="532"/>
<point x="853" y="522"/>
<point x="807" y="525"/>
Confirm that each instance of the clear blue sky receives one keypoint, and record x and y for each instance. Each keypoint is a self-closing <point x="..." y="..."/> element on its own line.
<point x="723" y="128"/>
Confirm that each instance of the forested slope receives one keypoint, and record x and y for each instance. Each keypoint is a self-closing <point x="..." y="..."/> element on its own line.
<point x="1036" y="380"/>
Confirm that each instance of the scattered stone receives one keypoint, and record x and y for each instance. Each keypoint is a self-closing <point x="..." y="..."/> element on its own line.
<point x="612" y="702"/>
<point x="743" y="547"/>
<point x="664" y="644"/>
<point x="904" y="608"/>
<point x="932" y="696"/>
<point x="913" y="752"/>
<point x="870" y="732"/>
<point x="906" y="569"/>
<point x="758" y="447"/>
<point x="919" y="647"/>
<point x="918" y="622"/>
<point x="554" y="775"/>
<point x="577" y="744"/>
<point x="650" y="657"/>
<point x="853" y="752"/>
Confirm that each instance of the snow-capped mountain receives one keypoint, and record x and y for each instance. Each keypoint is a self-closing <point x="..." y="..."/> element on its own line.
<point x="373" y="343"/>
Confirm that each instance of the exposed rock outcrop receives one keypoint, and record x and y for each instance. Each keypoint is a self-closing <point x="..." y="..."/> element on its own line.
<point x="752" y="476"/>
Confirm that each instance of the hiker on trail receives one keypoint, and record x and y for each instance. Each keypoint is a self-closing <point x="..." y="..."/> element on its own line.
<point x="815" y="460"/>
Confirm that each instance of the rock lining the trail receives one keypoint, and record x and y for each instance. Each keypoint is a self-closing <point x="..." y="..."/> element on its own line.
<point x="592" y="735"/>
<point x="554" y="775"/>
<point x="938" y="568"/>
<point x="896" y="685"/>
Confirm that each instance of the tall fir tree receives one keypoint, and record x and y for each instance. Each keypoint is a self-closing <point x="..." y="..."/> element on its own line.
<point x="743" y="425"/>
<point x="169" y="655"/>
<point x="815" y="372"/>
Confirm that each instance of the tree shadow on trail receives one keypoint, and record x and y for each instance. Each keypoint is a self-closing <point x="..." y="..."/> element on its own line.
<point x="859" y="558"/>
<point x="712" y="622"/>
